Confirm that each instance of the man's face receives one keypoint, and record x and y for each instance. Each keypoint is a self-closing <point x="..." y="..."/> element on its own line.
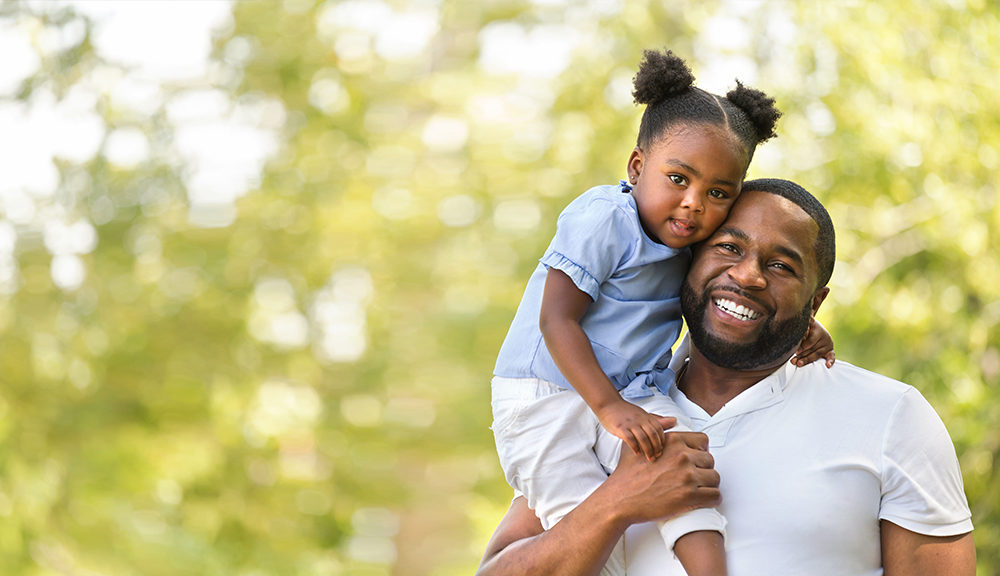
<point x="752" y="285"/>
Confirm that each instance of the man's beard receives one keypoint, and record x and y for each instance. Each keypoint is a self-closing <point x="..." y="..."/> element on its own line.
<point x="774" y="340"/>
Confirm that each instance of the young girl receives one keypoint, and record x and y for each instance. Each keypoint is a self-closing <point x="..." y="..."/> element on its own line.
<point x="593" y="333"/>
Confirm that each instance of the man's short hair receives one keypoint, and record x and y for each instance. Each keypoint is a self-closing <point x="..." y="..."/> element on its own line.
<point x="826" y="245"/>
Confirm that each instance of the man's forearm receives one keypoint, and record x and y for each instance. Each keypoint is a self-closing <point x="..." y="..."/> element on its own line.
<point x="638" y="491"/>
<point x="579" y="545"/>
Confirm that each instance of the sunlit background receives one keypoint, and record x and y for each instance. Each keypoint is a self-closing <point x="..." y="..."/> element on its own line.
<point x="257" y="258"/>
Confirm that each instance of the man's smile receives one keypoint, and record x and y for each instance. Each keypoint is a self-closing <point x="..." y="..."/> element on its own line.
<point x="736" y="310"/>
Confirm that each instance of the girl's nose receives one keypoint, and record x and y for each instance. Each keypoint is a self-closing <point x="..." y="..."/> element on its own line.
<point x="692" y="200"/>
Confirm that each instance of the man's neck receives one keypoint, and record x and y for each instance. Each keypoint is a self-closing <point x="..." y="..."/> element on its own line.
<point x="712" y="387"/>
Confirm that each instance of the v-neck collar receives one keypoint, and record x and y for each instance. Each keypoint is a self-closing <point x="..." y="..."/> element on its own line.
<point x="763" y="394"/>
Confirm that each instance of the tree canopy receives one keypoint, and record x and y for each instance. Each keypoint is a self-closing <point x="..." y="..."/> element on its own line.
<point x="281" y="364"/>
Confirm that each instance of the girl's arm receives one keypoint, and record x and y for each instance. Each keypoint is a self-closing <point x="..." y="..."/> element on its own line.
<point x="816" y="344"/>
<point x="563" y="306"/>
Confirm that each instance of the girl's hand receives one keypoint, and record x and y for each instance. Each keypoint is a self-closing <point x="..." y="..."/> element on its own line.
<point x="816" y="344"/>
<point x="640" y="430"/>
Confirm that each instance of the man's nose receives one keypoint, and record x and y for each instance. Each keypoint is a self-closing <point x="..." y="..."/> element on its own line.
<point x="748" y="274"/>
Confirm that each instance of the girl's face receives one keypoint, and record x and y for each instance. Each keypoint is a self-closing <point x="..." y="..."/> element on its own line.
<point x="686" y="183"/>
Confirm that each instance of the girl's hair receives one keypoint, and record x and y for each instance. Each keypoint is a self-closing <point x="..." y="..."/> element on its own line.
<point x="665" y="85"/>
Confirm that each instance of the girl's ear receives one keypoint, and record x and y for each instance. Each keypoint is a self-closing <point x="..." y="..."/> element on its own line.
<point x="635" y="161"/>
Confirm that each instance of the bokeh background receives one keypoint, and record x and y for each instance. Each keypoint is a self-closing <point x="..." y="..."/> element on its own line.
<point x="257" y="258"/>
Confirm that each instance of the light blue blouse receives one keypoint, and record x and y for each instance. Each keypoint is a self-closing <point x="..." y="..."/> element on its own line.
<point x="635" y="285"/>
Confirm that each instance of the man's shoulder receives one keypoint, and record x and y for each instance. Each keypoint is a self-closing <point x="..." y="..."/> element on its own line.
<point x="846" y="372"/>
<point x="854" y="397"/>
<point x="853" y="384"/>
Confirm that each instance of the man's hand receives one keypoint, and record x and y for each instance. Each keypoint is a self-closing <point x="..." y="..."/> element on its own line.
<point x="681" y="480"/>
<point x="640" y="430"/>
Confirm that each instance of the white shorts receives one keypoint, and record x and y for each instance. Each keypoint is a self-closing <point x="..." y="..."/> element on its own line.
<point x="554" y="450"/>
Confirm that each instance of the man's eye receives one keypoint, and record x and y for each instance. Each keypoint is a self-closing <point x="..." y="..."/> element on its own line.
<point x="728" y="247"/>
<point x="677" y="179"/>
<point x="783" y="267"/>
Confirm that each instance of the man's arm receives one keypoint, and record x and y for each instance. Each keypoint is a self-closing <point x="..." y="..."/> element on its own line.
<point x="573" y="547"/>
<point x="681" y="480"/>
<point x="906" y="553"/>
<point x="922" y="483"/>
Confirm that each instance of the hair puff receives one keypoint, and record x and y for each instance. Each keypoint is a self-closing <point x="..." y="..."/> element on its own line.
<point x="661" y="75"/>
<point x="759" y="108"/>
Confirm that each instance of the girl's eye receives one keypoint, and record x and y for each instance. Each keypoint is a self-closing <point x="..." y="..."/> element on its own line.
<point x="677" y="179"/>
<point x="718" y="194"/>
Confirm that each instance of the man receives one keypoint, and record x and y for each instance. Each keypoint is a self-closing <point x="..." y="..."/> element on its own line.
<point x="836" y="471"/>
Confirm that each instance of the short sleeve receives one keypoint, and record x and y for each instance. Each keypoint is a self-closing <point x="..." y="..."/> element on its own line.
<point x="921" y="480"/>
<point x="591" y="242"/>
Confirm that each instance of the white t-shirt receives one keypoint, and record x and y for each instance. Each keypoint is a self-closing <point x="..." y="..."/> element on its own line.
<point x="811" y="459"/>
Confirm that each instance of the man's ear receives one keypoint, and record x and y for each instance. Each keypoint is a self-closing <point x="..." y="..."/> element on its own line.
<point x="634" y="167"/>
<point x="818" y="298"/>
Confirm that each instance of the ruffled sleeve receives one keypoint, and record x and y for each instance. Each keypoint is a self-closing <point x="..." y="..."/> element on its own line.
<point x="592" y="241"/>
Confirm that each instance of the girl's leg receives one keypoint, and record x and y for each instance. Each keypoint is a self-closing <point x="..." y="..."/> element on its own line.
<point x="545" y="437"/>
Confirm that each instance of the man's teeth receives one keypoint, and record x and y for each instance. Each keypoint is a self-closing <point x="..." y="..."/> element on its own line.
<point x="741" y="312"/>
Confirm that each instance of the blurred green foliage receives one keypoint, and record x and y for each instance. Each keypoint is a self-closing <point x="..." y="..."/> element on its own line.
<point x="150" y="425"/>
